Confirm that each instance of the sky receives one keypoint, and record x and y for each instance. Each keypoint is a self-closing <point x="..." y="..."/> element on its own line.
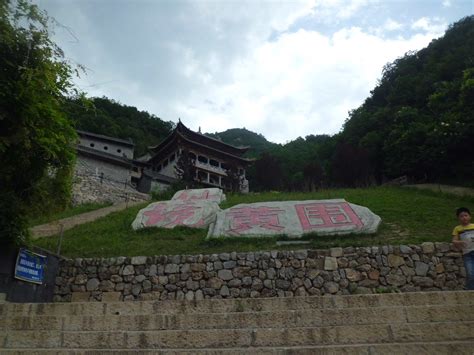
<point x="285" y="69"/>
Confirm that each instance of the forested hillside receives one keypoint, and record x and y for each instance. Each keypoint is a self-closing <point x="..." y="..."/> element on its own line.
<point x="105" y="116"/>
<point x="418" y="121"/>
<point x="243" y="137"/>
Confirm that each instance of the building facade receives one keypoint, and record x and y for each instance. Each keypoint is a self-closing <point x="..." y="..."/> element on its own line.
<point x="105" y="157"/>
<point x="211" y="158"/>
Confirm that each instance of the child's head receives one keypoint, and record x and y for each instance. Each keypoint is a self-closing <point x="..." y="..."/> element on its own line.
<point x="464" y="215"/>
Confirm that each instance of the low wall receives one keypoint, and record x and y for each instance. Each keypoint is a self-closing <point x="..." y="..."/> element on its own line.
<point x="92" y="189"/>
<point x="430" y="266"/>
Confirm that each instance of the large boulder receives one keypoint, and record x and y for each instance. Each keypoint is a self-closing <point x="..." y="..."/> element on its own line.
<point x="294" y="219"/>
<point x="169" y="214"/>
<point x="210" y="194"/>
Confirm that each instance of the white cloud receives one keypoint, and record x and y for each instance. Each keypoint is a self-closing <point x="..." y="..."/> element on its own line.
<point x="392" y="25"/>
<point x="334" y="10"/>
<point x="446" y="3"/>
<point x="302" y="83"/>
<point x="432" y="25"/>
<point x="219" y="65"/>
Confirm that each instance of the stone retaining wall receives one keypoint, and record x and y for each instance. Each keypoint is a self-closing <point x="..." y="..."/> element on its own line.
<point x="92" y="189"/>
<point x="430" y="266"/>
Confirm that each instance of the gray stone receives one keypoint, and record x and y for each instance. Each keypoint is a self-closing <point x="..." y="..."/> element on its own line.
<point x="128" y="270"/>
<point x="81" y="279"/>
<point x="136" y="289"/>
<point x="442" y="247"/>
<point x="215" y="283"/>
<point x="336" y="252"/>
<point x="198" y="295"/>
<point x="224" y="256"/>
<point x="189" y="295"/>
<point x="395" y="260"/>
<point x="146" y="285"/>
<point x="163" y="280"/>
<point x="427" y="247"/>
<point x="405" y="249"/>
<point x="268" y="283"/>
<point x="179" y="295"/>
<point x="230" y="264"/>
<point x="396" y="280"/>
<point x="331" y="287"/>
<point x="140" y="278"/>
<point x="92" y="284"/>
<point x="422" y="281"/>
<point x="246" y="281"/>
<point x="225" y="275"/>
<point x="271" y="273"/>
<point x="106" y="286"/>
<point x="234" y="283"/>
<point x="172" y="268"/>
<point x="138" y="260"/>
<point x="224" y="291"/>
<point x="301" y="254"/>
<point x="153" y="270"/>
<point x="353" y="275"/>
<point x="421" y="268"/>
<point x="330" y="263"/>
<point x="196" y="267"/>
<point x="283" y="284"/>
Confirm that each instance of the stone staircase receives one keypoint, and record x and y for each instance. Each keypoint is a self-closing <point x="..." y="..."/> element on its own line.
<point x="401" y="323"/>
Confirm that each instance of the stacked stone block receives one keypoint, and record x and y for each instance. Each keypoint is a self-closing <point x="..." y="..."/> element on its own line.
<point x="404" y="268"/>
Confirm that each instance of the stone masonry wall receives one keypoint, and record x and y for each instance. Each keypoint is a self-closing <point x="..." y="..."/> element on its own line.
<point x="430" y="266"/>
<point x="92" y="189"/>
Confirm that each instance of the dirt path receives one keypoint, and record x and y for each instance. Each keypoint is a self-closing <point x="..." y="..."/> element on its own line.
<point x="54" y="228"/>
<point x="455" y="190"/>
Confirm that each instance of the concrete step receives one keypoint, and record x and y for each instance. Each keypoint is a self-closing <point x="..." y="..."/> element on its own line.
<point x="242" y="320"/>
<point x="239" y="305"/>
<point x="419" y="348"/>
<point x="279" y="336"/>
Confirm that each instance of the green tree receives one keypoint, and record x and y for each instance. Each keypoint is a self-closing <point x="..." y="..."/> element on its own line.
<point x="185" y="169"/>
<point x="36" y="138"/>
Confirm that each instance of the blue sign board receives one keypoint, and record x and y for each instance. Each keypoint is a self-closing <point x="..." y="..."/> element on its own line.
<point x="30" y="266"/>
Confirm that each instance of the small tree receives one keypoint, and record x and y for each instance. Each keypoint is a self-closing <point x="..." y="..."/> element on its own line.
<point x="313" y="175"/>
<point x="185" y="169"/>
<point x="36" y="138"/>
<point x="350" y="166"/>
<point x="268" y="172"/>
<point x="234" y="179"/>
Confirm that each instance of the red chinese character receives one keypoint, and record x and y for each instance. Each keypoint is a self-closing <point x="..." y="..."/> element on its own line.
<point x="172" y="218"/>
<point x="186" y="196"/>
<point x="245" y="218"/>
<point x="326" y="215"/>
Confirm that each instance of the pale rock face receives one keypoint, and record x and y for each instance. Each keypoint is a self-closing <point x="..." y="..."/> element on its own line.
<point x="195" y="208"/>
<point x="294" y="219"/>
<point x="169" y="214"/>
<point x="211" y="194"/>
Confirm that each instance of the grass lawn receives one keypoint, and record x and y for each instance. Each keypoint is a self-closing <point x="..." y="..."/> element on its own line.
<point x="69" y="212"/>
<point x="409" y="216"/>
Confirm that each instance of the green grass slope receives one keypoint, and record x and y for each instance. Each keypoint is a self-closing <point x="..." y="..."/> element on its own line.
<point x="409" y="216"/>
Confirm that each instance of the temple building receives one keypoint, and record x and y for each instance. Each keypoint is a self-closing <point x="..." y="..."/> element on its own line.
<point x="108" y="157"/>
<point x="211" y="157"/>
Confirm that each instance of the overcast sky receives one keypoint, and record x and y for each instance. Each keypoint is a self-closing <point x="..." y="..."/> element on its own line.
<point x="280" y="68"/>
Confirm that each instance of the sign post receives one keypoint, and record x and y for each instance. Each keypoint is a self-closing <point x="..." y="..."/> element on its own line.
<point x="30" y="266"/>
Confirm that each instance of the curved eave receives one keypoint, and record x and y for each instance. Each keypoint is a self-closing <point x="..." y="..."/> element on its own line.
<point x="186" y="130"/>
<point x="186" y="139"/>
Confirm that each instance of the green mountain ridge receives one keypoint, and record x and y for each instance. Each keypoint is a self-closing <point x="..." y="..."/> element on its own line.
<point x="243" y="137"/>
